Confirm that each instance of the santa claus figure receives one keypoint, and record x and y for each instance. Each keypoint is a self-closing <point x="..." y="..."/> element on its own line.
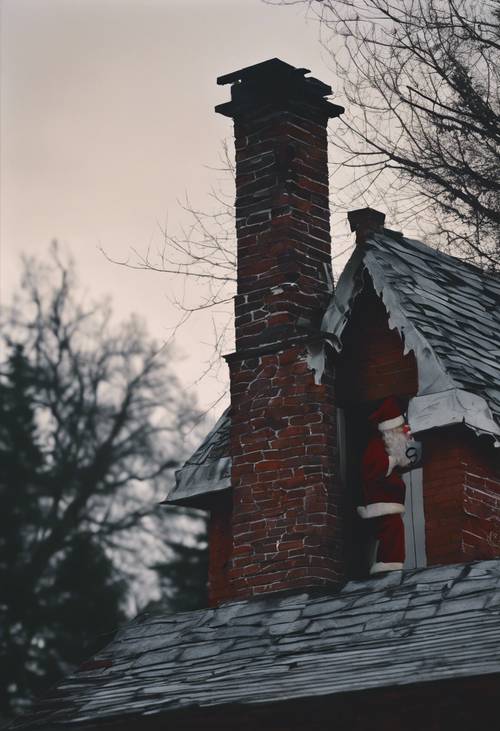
<point x="383" y="489"/>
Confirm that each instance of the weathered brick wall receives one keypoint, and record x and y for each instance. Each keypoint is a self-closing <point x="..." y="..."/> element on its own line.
<point x="443" y="478"/>
<point x="283" y="224"/>
<point x="285" y="521"/>
<point x="286" y="516"/>
<point x="481" y="535"/>
<point x="461" y="472"/>
<point x="461" y="496"/>
<point x="372" y="365"/>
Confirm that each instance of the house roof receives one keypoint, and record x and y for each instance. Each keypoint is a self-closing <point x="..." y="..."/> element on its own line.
<point x="402" y="628"/>
<point x="446" y="310"/>
<point x="208" y="470"/>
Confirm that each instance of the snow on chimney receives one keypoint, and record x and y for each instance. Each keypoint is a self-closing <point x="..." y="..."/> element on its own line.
<point x="286" y="515"/>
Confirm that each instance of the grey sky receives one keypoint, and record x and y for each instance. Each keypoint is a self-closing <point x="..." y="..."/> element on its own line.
<point x="107" y="120"/>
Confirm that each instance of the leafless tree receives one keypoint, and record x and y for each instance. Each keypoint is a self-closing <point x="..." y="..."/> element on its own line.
<point x="421" y="86"/>
<point x="419" y="140"/>
<point x="111" y="416"/>
<point x="201" y="261"/>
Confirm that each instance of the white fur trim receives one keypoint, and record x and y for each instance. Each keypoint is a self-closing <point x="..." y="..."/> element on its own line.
<point x="391" y="423"/>
<point x="375" y="510"/>
<point x="392" y="464"/>
<point x="380" y="566"/>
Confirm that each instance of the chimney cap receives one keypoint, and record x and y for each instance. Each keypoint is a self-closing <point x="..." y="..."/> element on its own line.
<point x="366" y="218"/>
<point x="273" y="66"/>
<point x="274" y="81"/>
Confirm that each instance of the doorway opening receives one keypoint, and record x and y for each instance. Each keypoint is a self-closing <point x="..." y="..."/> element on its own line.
<point x="360" y="548"/>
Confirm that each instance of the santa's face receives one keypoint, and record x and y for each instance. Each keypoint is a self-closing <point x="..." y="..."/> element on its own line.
<point x="396" y="444"/>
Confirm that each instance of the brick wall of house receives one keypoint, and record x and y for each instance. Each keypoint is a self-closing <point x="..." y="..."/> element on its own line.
<point x="481" y="535"/>
<point x="220" y="546"/>
<point x="370" y="367"/>
<point x="461" y="496"/>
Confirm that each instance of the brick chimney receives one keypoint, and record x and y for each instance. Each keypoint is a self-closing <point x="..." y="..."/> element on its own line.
<point x="286" y="531"/>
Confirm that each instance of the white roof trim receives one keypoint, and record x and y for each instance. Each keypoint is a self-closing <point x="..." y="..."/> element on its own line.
<point x="455" y="406"/>
<point x="432" y="375"/>
<point x="346" y="290"/>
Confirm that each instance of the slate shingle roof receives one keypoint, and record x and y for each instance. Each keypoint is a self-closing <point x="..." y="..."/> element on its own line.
<point x="448" y="313"/>
<point x="403" y="628"/>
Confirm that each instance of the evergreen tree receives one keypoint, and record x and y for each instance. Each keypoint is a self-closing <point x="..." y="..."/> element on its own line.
<point x="92" y="424"/>
<point x="183" y="577"/>
<point x="20" y="515"/>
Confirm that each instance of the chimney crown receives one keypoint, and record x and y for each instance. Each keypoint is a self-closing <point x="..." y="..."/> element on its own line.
<point x="278" y="84"/>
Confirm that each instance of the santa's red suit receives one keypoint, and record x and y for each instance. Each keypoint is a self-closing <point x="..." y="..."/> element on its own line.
<point x="383" y="489"/>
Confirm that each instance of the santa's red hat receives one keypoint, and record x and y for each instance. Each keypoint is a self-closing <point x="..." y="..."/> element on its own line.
<point x="388" y="415"/>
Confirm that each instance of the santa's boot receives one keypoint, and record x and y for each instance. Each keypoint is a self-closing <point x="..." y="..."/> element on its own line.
<point x="390" y="535"/>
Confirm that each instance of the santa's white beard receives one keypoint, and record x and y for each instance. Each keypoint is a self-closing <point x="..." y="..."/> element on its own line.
<point x="396" y="444"/>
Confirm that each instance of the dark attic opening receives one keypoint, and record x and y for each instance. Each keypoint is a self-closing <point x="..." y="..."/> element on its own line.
<point x="370" y="368"/>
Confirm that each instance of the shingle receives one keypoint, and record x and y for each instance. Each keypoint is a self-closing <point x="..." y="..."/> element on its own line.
<point x="423" y="612"/>
<point x="288" y="628"/>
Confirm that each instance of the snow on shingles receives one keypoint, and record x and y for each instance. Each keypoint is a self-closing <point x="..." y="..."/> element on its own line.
<point x="438" y="622"/>
<point x="454" y="304"/>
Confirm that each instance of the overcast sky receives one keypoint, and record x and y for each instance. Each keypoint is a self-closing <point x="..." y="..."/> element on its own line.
<point x="107" y="121"/>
